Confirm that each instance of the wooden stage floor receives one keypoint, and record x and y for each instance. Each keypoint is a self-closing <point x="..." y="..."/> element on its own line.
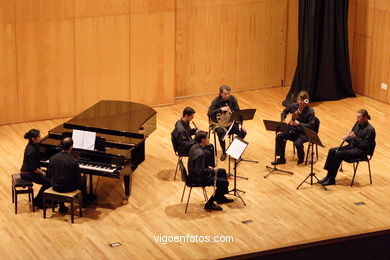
<point x="281" y="215"/>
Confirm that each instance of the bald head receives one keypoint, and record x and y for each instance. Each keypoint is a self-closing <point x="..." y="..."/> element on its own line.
<point x="67" y="144"/>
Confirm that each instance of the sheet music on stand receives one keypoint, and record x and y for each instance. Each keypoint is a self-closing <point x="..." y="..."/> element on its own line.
<point x="83" y="139"/>
<point x="237" y="148"/>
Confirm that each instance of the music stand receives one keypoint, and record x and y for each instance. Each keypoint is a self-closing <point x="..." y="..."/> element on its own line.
<point x="314" y="139"/>
<point x="277" y="127"/>
<point x="235" y="150"/>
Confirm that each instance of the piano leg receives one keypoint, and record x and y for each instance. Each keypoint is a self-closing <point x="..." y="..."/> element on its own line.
<point x="126" y="181"/>
<point x="90" y="184"/>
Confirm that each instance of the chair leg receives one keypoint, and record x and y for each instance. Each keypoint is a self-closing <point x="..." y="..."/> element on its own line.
<point x="182" y="196"/>
<point x="13" y="192"/>
<point x="72" y="211"/>
<point x="80" y="205"/>
<point x="354" y="171"/>
<point x="205" y="194"/>
<point x="293" y="149"/>
<point x="317" y="151"/>
<point x="44" y="206"/>
<point x="177" y="166"/>
<point x="215" y="145"/>
<point x="369" y="171"/>
<point x="16" y="202"/>
<point x="310" y="146"/>
<point x="32" y="199"/>
<point x="188" y="199"/>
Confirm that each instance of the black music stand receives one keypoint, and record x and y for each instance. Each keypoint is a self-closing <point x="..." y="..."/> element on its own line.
<point x="314" y="139"/>
<point x="277" y="127"/>
<point x="235" y="150"/>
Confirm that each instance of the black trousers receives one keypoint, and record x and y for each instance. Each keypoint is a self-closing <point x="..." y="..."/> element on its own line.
<point x="39" y="179"/>
<point x="81" y="186"/>
<point x="298" y="139"/>
<point x="222" y="131"/>
<point x="335" y="157"/>
<point x="222" y="184"/>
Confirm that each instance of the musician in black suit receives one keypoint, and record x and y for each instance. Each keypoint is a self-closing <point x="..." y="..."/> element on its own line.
<point x="183" y="135"/>
<point x="224" y="103"/>
<point x="31" y="169"/>
<point x="360" y="140"/>
<point x="202" y="173"/>
<point x="65" y="172"/>
<point x="303" y="115"/>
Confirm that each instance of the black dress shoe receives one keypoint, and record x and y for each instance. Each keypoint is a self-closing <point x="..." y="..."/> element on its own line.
<point x="329" y="182"/>
<point x="300" y="161"/>
<point x="223" y="200"/>
<point x="279" y="161"/>
<point x="211" y="206"/>
<point x="324" y="179"/>
<point x="223" y="157"/>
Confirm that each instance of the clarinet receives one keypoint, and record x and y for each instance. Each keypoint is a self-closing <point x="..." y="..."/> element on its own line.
<point x="345" y="137"/>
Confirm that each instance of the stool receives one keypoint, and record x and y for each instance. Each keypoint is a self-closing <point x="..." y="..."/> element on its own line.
<point x="20" y="186"/>
<point x="70" y="197"/>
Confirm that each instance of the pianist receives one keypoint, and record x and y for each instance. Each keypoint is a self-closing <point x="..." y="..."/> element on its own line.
<point x="31" y="165"/>
<point x="65" y="172"/>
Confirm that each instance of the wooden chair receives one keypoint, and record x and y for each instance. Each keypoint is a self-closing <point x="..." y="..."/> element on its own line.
<point x="188" y="183"/>
<point x="21" y="186"/>
<point x="178" y="154"/>
<point x="70" y="197"/>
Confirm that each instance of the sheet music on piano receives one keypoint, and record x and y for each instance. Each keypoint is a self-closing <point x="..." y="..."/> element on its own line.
<point x="83" y="139"/>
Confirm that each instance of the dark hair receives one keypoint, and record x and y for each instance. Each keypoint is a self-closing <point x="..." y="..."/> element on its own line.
<point x="188" y="111"/>
<point x="303" y="95"/>
<point x="364" y="112"/>
<point x="66" y="143"/>
<point x="224" y="87"/>
<point x="199" y="136"/>
<point x="32" y="133"/>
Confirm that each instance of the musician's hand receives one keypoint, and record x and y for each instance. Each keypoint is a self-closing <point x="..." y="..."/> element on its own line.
<point x="239" y="127"/>
<point x="226" y="108"/>
<point x="351" y="134"/>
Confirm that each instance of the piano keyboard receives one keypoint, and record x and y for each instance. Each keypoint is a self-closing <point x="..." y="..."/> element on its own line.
<point x="91" y="166"/>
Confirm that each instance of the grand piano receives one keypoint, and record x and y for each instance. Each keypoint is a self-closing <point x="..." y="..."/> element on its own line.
<point x="121" y="130"/>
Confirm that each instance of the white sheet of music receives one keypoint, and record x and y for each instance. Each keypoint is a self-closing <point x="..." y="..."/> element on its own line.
<point x="236" y="148"/>
<point x="84" y="139"/>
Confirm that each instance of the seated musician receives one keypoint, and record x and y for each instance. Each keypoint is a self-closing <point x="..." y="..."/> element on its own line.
<point x="201" y="173"/>
<point x="224" y="104"/>
<point x="302" y="115"/>
<point x="360" y="140"/>
<point x="183" y="132"/>
<point x="31" y="170"/>
<point x="65" y="172"/>
<point x="183" y="135"/>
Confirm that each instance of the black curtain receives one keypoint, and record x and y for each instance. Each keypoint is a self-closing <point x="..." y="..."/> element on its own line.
<point x="323" y="59"/>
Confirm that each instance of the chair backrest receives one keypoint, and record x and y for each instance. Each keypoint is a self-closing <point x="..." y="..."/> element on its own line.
<point x="316" y="124"/>
<point x="372" y="149"/>
<point x="174" y="144"/>
<point x="183" y="170"/>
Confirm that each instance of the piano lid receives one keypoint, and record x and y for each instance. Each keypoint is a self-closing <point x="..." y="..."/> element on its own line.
<point x="120" y="118"/>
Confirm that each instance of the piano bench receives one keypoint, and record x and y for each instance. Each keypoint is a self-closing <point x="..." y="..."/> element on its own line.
<point x="21" y="186"/>
<point x="70" y="197"/>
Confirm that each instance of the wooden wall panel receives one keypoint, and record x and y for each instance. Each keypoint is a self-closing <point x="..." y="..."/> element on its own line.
<point x="228" y="42"/>
<point x="8" y="77"/>
<point x="291" y="42"/>
<point x="152" y="51"/>
<point x="102" y="59"/>
<point x="360" y="65"/>
<point x="92" y="8"/>
<point x="45" y="58"/>
<point x="380" y="55"/>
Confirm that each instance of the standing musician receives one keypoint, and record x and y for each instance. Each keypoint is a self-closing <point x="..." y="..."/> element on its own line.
<point x="183" y="135"/>
<point x="221" y="106"/>
<point x="360" y="140"/>
<point x="31" y="170"/>
<point x="202" y="173"/>
<point x="302" y="116"/>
